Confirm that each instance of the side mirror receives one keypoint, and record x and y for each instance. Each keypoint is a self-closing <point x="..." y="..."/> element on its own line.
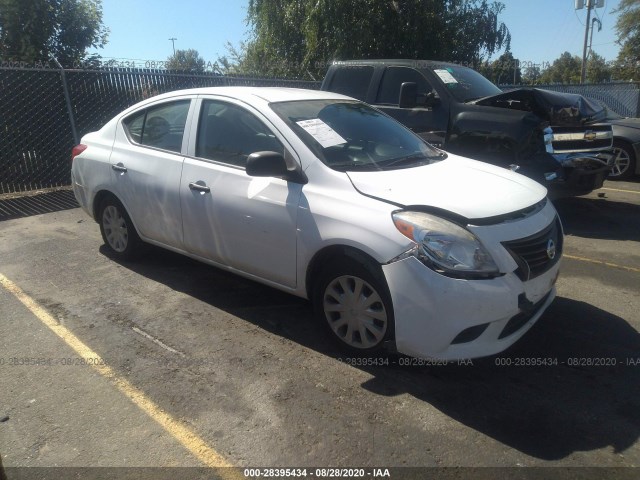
<point x="408" y="95"/>
<point x="273" y="164"/>
<point x="432" y="99"/>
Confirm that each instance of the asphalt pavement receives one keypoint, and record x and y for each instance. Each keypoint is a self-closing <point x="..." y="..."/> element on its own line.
<point x="170" y="363"/>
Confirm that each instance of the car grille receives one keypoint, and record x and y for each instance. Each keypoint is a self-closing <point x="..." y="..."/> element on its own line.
<point x="588" y="138"/>
<point x="535" y="254"/>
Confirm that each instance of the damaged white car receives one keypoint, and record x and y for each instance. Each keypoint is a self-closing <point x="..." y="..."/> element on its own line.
<point x="397" y="244"/>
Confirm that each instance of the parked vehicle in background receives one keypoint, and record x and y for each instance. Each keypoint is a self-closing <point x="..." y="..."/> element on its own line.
<point x="396" y="243"/>
<point x="626" y="146"/>
<point x="560" y="140"/>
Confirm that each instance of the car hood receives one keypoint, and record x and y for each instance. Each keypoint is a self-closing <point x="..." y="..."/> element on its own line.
<point x="472" y="189"/>
<point x="562" y="109"/>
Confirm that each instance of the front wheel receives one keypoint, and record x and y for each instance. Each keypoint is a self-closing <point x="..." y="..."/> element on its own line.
<point x="117" y="230"/>
<point x="353" y="301"/>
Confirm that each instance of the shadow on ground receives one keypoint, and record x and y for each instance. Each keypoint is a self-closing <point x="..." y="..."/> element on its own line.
<point x="587" y="397"/>
<point x="599" y="218"/>
<point x="38" y="204"/>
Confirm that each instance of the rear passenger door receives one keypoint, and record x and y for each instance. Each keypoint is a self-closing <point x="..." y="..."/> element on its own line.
<point x="146" y="165"/>
<point x="229" y="217"/>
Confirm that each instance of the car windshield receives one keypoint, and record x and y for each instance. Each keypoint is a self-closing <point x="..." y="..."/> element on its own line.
<point x="348" y="135"/>
<point x="464" y="83"/>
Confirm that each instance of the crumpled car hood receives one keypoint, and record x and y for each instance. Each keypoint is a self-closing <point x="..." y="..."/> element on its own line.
<point x="558" y="108"/>
<point x="471" y="189"/>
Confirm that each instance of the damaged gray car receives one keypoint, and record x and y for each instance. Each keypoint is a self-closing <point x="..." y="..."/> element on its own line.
<point x="561" y="140"/>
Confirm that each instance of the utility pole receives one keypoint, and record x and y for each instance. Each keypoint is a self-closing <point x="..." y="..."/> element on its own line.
<point x="583" y="71"/>
<point x="173" y="42"/>
<point x="593" y="22"/>
<point x="580" y="4"/>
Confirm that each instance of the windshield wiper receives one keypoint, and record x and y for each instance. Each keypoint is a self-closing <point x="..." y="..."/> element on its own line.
<point x="411" y="160"/>
<point x="347" y="167"/>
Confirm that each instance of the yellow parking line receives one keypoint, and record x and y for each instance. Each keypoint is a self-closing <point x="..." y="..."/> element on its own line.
<point x="183" y="434"/>
<point x="598" y="262"/>
<point x="619" y="190"/>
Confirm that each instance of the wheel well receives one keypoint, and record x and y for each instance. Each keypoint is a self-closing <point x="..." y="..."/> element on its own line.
<point x="626" y="143"/>
<point x="328" y="254"/>
<point x="97" y="201"/>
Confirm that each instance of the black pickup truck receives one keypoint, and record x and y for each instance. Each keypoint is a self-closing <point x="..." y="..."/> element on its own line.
<point x="560" y="140"/>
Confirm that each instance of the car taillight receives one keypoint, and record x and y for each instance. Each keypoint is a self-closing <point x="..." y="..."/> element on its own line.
<point x="77" y="150"/>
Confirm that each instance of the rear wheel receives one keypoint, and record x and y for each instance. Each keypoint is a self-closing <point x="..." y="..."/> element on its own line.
<point x="117" y="230"/>
<point x="625" y="162"/>
<point x="353" y="301"/>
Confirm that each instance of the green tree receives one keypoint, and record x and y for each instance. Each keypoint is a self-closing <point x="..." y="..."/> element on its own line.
<point x="565" y="69"/>
<point x="598" y="71"/>
<point x="532" y="75"/>
<point x="37" y="30"/>
<point x="627" y="65"/>
<point x="298" y="38"/>
<point x="186" y="60"/>
<point x="505" y="70"/>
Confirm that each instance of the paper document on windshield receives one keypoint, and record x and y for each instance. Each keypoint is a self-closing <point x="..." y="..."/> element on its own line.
<point x="321" y="132"/>
<point x="445" y="76"/>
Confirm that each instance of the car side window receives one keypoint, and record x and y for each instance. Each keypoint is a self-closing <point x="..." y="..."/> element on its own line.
<point x="228" y="133"/>
<point x="352" y="81"/>
<point x="393" y="78"/>
<point x="161" y="126"/>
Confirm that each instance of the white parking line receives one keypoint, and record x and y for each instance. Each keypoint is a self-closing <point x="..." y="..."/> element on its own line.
<point x="619" y="190"/>
<point x="156" y="341"/>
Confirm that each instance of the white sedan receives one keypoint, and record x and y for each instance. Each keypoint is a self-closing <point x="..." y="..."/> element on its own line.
<point x="397" y="244"/>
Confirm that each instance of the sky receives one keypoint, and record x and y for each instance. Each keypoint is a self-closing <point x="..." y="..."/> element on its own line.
<point x="541" y="30"/>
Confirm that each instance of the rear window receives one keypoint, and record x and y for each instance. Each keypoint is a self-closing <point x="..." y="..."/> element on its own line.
<point x="161" y="126"/>
<point x="352" y="81"/>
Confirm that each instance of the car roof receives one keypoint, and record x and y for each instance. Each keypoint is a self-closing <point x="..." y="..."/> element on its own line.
<point x="405" y="62"/>
<point x="250" y="94"/>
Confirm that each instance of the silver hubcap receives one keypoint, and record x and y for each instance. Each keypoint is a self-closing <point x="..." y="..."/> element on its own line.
<point x="621" y="164"/>
<point x="355" y="312"/>
<point x="115" y="229"/>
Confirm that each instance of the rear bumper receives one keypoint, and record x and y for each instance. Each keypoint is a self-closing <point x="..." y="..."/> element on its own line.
<point x="79" y="192"/>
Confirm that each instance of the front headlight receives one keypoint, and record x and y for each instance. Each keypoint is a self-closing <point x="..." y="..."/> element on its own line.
<point x="444" y="246"/>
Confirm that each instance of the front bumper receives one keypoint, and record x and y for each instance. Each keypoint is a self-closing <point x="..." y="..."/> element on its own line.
<point x="438" y="317"/>
<point x="447" y="318"/>
<point x="580" y="172"/>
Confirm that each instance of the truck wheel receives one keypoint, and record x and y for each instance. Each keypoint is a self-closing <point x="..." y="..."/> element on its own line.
<point x="625" y="162"/>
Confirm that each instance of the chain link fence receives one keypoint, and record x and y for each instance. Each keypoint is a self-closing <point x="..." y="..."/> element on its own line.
<point x="35" y="131"/>
<point x="44" y="112"/>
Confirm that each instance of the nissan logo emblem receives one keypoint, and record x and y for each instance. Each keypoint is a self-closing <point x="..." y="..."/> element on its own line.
<point x="551" y="249"/>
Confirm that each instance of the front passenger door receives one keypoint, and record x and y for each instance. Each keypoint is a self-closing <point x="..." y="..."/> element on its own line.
<point x="244" y="222"/>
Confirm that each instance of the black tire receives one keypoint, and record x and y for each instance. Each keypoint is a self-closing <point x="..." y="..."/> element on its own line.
<point x="362" y="328"/>
<point x="625" y="166"/>
<point x="119" y="234"/>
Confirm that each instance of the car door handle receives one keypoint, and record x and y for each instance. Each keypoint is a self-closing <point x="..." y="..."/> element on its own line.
<point x="119" y="168"/>
<point x="199" y="187"/>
